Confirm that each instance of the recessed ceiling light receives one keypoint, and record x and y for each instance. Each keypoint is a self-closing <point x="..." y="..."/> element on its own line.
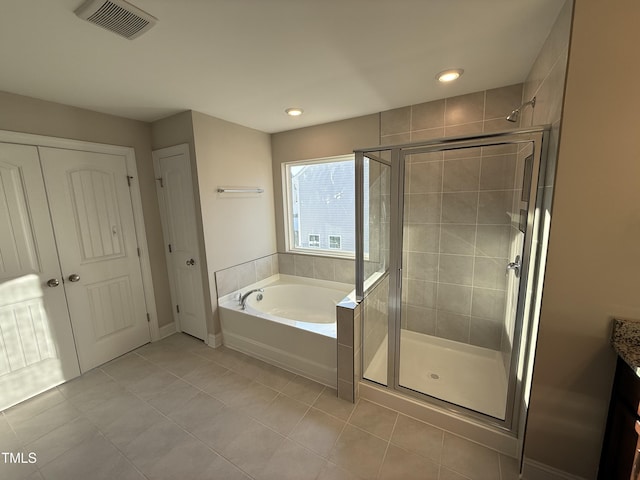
<point x="294" y="112"/>
<point x="449" y="75"/>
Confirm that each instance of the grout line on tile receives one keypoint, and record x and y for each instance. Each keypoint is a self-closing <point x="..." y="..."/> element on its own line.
<point x="386" y="450"/>
<point x="368" y="432"/>
<point x="435" y="330"/>
<point x="305" y="403"/>
<point x="344" y="426"/>
<point x="484" y="109"/>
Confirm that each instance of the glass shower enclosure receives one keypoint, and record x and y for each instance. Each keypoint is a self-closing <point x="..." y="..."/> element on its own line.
<point x="446" y="249"/>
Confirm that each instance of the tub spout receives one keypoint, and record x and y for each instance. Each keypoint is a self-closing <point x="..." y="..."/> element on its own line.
<point x="244" y="297"/>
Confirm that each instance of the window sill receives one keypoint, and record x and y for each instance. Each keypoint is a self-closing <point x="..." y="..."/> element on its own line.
<point x="317" y="252"/>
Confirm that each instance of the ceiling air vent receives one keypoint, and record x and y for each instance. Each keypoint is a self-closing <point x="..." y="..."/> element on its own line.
<point x="118" y="16"/>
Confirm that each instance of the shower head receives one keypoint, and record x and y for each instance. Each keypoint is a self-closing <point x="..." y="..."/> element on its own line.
<point x="515" y="114"/>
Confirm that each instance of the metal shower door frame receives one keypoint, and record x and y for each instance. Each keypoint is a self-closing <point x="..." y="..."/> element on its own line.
<point x="538" y="136"/>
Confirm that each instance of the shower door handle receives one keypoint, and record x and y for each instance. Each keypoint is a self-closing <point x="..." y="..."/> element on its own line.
<point x="515" y="266"/>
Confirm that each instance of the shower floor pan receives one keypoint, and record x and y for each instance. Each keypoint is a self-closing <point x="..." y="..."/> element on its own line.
<point x="465" y="375"/>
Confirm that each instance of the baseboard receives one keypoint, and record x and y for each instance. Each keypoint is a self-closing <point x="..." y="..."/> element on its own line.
<point x="167" y="330"/>
<point x="280" y="358"/>
<point x="215" y="341"/>
<point x="533" y="470"/>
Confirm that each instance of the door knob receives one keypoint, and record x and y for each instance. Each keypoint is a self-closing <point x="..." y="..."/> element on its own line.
<point x="74" y="277"/>
<point x="53" y="282"/>
<point x="191" y="261"/>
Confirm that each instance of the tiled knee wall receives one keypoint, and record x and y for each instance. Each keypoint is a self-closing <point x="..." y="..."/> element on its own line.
<point x="322" y="268"/>
<point x="349" y="351"/>
<point x="233" y="278"/>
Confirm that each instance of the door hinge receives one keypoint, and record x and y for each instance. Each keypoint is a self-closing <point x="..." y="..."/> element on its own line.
<point x="161" y="182"/>
<point x="129" y="178"/>
<point x="139" y="253"/>
<point x="148" y="317"/>
<point x="178" y="308"/>
<point x="170" y="248"/>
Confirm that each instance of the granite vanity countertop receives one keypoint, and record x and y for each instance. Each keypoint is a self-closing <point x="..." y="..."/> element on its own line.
<point x="625" y="339"/>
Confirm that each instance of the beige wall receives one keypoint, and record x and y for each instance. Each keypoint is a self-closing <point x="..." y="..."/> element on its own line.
<point x="237" y="228"/>
<point x="546" y="82"/>
<point x="327" y="140"/>
<point x="173" y="130"/>
<point x="593" y="269"/>
<point x="30" y="115"/>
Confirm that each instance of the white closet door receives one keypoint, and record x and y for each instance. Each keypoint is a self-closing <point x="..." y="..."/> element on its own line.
<point x="178" y="214"/>
<point x="36" y="343"/>
<point x="95" y="233"/>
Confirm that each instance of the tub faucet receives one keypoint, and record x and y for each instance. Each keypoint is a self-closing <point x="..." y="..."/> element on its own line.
<point x="243" y="298"/>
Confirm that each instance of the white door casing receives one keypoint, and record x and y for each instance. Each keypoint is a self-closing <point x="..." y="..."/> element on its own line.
<point x="37" y="348"/>
<point x="94" y="228"/>
<point x="172" y="166"/>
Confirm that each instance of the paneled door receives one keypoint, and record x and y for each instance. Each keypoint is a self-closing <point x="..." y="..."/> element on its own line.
<point x="36" y="341"/>
<point x="178" y="213"/>
<point x="94" y="227"/>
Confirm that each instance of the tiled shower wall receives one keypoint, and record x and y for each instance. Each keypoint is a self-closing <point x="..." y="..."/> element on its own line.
<point x="457" y="223"/>
<point x="479" y="112"/>
<point x="377" y="215"/>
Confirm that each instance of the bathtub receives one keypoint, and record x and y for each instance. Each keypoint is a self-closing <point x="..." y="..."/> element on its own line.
<point x="292" y="324"/>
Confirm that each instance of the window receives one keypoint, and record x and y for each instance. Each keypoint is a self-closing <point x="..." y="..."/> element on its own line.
<point x="314" y="240"/>
<point x="320" y="205"/>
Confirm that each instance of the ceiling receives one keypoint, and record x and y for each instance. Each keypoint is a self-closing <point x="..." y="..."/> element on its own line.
<point x="245" y="61"/>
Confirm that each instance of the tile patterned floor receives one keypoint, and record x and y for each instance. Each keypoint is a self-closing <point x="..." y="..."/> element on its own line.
<point x="178" y="409"/>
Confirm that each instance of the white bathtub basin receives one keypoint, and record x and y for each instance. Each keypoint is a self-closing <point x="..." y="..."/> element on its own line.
<point x="292" y="326"/>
